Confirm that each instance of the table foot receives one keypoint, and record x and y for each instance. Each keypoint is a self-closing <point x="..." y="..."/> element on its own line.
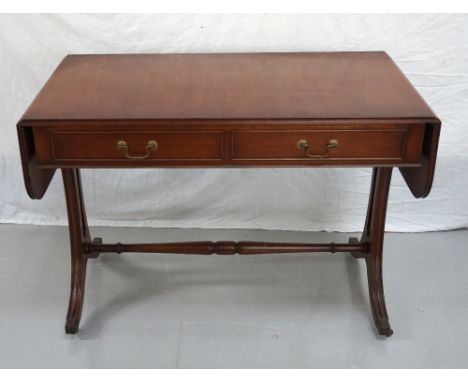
<point x="377" y="298"/>
<point x="72" y="325"/>
<point x="383" y="326"/>
<point x="77" y="289"/>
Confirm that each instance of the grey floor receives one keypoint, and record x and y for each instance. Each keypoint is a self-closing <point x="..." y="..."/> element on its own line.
<point x="269" y="311"/>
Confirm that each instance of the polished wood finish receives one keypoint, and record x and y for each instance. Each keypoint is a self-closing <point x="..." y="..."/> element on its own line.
<point x="230" y="145"/>
<point x="229" y="110"/>
<point x="401" y="144"/>
<point x="101" y="146"/>
<point x="372" y="238"/>
<point x="247" y="86"/>
<point x="420" y="180"/>
<point x="36" y="180"/>
<point x="228" y="247"/>
<point x="134" y="93"/>
<point x="79" y="242"/>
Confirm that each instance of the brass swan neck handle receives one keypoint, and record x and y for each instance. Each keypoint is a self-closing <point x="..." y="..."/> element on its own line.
<point x="303" y="144"/>
<point x="150" y="146"/>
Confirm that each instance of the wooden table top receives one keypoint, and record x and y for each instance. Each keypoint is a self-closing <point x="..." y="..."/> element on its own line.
<point x="239" y="86"/>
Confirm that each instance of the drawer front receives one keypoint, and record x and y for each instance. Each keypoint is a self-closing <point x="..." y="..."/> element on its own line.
<point x="230" y="145"/>
<point x="395" y="145"/>
<point x="134" y="146"/>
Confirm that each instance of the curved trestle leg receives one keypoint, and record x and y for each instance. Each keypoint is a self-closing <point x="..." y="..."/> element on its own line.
<point x="79" y="244"/>
<point x="373" y="237"/>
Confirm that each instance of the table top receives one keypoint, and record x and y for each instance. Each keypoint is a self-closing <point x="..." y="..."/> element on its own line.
<point x="232" y="86"/>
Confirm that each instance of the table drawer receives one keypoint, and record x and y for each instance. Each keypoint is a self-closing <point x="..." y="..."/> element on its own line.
<point x="131" y="146"/>
<point x="237" y="145"/>
<point x="401" y="144"/>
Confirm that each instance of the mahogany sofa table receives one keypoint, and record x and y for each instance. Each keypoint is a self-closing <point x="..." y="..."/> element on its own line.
<point x="229" y="110"/>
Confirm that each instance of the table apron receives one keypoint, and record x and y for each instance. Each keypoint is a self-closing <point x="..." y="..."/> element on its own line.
<point x="398" y="145"/>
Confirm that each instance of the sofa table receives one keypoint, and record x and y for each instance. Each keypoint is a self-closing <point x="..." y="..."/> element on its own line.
<point x="352" y="109"/>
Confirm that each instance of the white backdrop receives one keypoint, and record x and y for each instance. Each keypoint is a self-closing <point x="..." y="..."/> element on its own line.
<point x="432" y="50"/>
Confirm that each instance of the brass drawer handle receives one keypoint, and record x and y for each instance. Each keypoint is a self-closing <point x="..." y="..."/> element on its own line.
<point x="151" y="145"/>
<point x="302" y="144"/>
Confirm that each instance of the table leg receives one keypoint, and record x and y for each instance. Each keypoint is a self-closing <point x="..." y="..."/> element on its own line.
<point x="373" y="237"/>
<point x="80" y="241"/>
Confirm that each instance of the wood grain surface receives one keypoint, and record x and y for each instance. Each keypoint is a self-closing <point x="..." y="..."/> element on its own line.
<point x="338" y="85"/>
